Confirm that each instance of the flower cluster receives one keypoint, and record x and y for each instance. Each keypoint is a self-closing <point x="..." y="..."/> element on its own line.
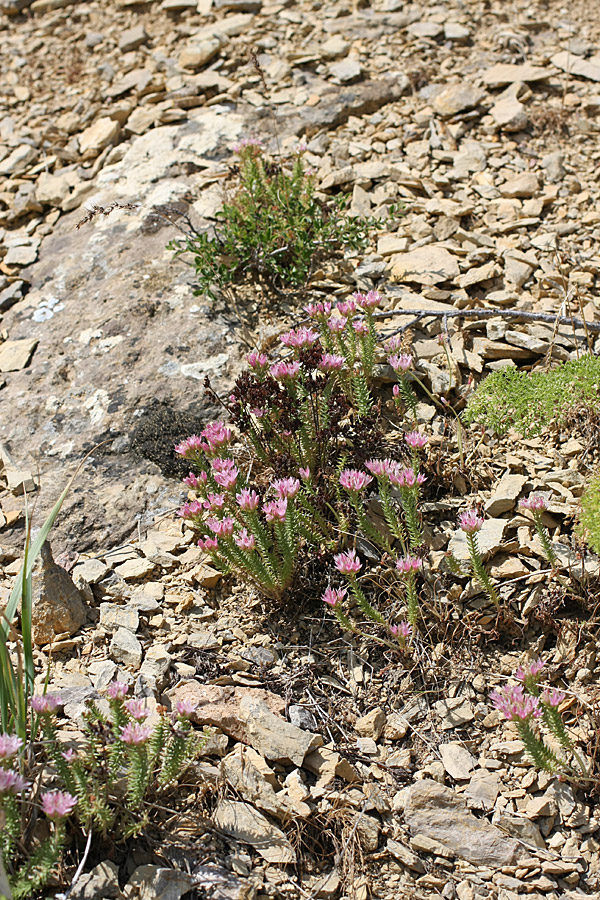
<point x="537" y="505"/>
<point x="528" y="705"/>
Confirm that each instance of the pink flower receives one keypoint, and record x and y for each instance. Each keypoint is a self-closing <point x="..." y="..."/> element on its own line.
<point x="257" y="360"/>
<point x="360" y="326"/>
<point x="402" y="630"/>
<point x="248" y="143"/>
<point x="208" y="544"/>
<point x="58" y="804"/>
<point x="318" y="309"/>
<point x="402" y="362"/>
<point x="382" y="468"/>
<point x="186" y="708"/>
<point x="333" y="597"/>
<point x="247" y="500"/>
<point x="347" y="563"/>
<point x="301" y="337"/>
<point x="354" y="480"/>
<point x="330" y="362"/>
<point x="45" y="703"/>
<point x="372" y="300"/>
<point x="346" y="307"/>
<point x="69" y="755"/>
<point x="117" y="690"/>
<point x="286" y="487"/>
<point x="514" y="704"/>
<point x="408" y="564"/>
<point x="535" y="502"/>
<point x="258" y="413"/>
<point x="470" y="522"/>
<point x="282" y="370"/>
<point x="552" y="697"/>
<point x="393" y="343"/>
<point x="222" y="465"/>
<point x="195" y="481"/>
<point x="12" y="783"/>
<point x="275" y="510"/>
<point x="189" y="510"/>
<point x="336" y="323"/>
<point x="221" y="527"/>
<point x="214" y="501"/>
<point x="217" y="434"/>
<point x="244" y="540"/>
<point x="133" y="733"/>
<point x="531" y="672"/>
<point x="136" y="708"/>
<point x="191" y="447"/>
<point x="395" y="391"/>
<point x="9" y="745"/>
<point x="304" y="473"/>
<point x="226" y="479"/>
<point x="415" y="439"/>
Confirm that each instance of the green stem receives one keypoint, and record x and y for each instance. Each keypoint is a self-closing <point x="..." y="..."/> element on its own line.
<point x="479" y="570"/>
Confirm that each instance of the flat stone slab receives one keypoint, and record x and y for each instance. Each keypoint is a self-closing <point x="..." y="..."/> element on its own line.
<point x="437" y="813"/>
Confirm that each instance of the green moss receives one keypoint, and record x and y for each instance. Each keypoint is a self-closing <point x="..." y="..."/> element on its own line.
<point x="529" y="401"/>
<point x="589" y="520"/>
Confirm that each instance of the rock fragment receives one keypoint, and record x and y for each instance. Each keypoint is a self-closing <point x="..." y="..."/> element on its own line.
<point x="246" y="824"/>
<point x="58" y="607"/>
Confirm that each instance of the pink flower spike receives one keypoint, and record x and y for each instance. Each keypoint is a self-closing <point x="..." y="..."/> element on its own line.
<point x="331" y="362"/>
<point x="69" y="755"/>
<point x="221" y="527"/>
<point x="136" y="708"/>
<point x="12" y="783"/>
<point x="117" y="690"/>
<point x="514" y="704"/>
<point x="222" y="465"/>
<point x="257" y="360"/>
<point x="382" y="468"/>
<point x="346" y="307"/>
<point x="58" y="804"/>
<point x="354" y="480"/>
<point x="333" y="597"/>
<point x="393" y="343"/>
<point x="45" y="703"/>
<point x="304" y="473"/>
<point x="191" y="447"/>
<point x="247" y="499"/>
<point x="214" y="501"/>
<point x="283" y="370"/>
<point x="535" y="503"/>
<point x="300" y="337"/>
<point x="531" y="671"/>
<point x="401" y="630"/>
<point x="186" y="708"/>
<point x="360" y="327"/>
<point x="189" y="510"/>
<point x="275" y="510"/>
<point x="336" y="323"/>
<point x="226" y="479"/>
<point x="9" y="745"/>
<point x="134" y="733"/>
<point x="470" y="522"/>
<point x="347" y="563"/>
<point x="244" y="540"/>
<point x="286" y="487"/>
<point x="408" y="564"/>
<point x="415" y="439"/>
<point x="402" y="362"/>
<point x="208" y="544"/>
<point x="372" y="300"/>
<point x="552" y="697"/>
<point x="395" y="391"/>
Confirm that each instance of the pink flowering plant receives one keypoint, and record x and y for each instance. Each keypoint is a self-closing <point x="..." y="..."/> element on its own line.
<point x="471" y="523"/>
<point x="107" y="786"/>
<point x="530" y="705"/>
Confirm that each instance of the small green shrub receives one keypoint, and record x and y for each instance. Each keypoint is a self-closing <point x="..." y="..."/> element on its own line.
<point x="272" y="228"/>
<point x="529" y="401"/>
<point x="589" y="520"/>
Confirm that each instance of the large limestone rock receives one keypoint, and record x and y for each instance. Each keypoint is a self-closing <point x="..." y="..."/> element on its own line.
<point x="438" y="814"/>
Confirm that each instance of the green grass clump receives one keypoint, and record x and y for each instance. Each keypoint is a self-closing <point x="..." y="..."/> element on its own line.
<point x="589" y="519"/>
<point x="272" y="228"/>
<point x="529" y="401"/>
